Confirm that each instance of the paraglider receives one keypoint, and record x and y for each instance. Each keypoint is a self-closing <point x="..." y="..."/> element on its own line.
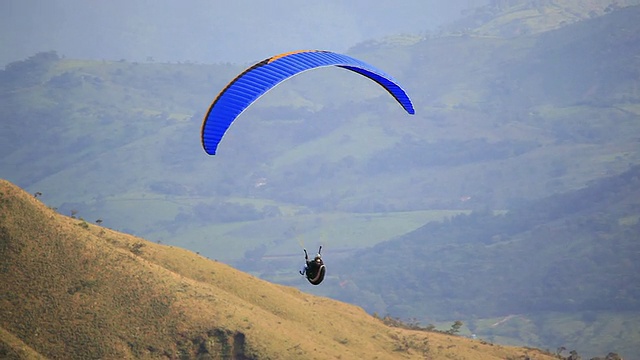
<point x="255" y="81"/>
<point x="314" y="269"/>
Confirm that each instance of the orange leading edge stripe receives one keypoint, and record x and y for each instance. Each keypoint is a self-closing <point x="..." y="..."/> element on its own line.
<point x="274" y="58"/>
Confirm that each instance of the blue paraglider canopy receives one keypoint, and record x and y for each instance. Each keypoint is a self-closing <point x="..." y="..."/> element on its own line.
<point x="255" y="81"/>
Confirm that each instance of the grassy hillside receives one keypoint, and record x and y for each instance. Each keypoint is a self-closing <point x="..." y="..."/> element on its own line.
<point x="76" y="290"/>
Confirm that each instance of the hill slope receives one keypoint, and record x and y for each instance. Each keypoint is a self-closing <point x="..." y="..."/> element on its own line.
<point x="75" y="290"/>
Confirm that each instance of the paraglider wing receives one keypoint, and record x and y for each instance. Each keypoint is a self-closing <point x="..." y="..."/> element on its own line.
<point x="263" y="76"/>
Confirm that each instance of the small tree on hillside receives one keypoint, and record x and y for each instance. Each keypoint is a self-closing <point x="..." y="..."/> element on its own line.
<point x="455" y="327"/>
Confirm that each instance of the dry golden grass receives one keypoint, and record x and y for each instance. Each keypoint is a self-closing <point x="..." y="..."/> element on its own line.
<point x="75" y="290"/>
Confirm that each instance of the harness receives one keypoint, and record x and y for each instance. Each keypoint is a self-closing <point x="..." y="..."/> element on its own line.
<point x="316" y="276"/>
<point x="315" y="271"/>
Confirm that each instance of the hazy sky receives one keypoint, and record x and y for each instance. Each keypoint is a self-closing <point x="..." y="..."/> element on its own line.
<point x="208" y="31"/>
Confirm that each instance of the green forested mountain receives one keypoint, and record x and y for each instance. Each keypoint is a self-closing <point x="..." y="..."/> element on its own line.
<point x="504" y="125"/>
<point x="572" y="253"/>
<point x="498" y="120"/>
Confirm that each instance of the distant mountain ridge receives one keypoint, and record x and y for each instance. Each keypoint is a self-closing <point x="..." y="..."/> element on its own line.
<point x="512" y="18"/>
